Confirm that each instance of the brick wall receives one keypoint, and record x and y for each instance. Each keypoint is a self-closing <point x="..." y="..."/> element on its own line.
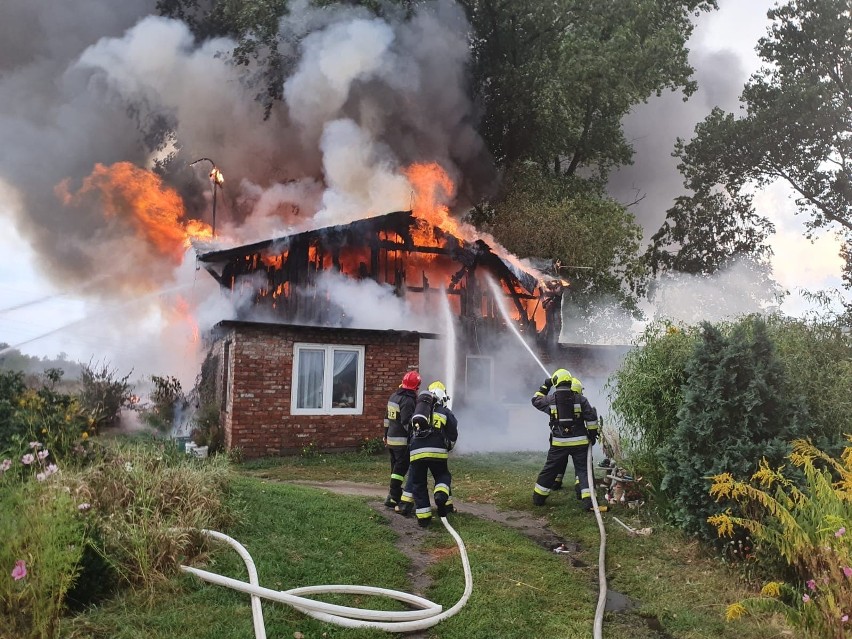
<point x="256" y="377"/>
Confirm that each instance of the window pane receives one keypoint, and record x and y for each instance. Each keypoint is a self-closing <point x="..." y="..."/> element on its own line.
<point x="311" y="368"/>
<point x="344" y="382"/>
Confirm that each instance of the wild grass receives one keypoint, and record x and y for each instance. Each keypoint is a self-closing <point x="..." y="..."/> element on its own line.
<point x="304" y="536"/>
<point x="149" y="501"/>
<point x="83" y="534"/>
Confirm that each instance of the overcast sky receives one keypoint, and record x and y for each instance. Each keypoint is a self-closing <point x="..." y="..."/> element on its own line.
<point x="723" y="54"/>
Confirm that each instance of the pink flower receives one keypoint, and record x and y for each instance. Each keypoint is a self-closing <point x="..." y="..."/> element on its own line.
<point x="811" y="584"/>
<point x="42" y="454"/>
<point x="41" y="476"/>
<point x="847" y="571"/>
<point x="5" y="465"/>
<point x="51" y="468"/>
<point x="20" y="570"/>
<point x="27" y="459"/>
<point x="806" y="598"/>
<point x="844" y="618"/>
<point x="35" y="445"/>
<point x="84" y="506"/>
<point x="840" y="532"/>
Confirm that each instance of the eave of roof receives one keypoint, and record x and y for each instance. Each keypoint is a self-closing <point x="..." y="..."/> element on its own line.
<point x="328" y="329"/>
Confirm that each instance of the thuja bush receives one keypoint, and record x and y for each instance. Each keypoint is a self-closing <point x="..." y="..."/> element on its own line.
<point x="809" y="525"/>
<point x="737" y="408"/>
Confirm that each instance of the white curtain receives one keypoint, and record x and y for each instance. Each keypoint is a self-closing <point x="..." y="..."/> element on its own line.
<point x="311" y="373"/>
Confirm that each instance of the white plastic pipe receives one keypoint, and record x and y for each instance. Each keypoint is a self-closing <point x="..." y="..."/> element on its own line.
<point x="598" y="627"/>
<point x="428" y="615"/>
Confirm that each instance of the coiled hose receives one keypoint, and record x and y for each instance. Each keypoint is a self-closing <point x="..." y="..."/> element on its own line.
<point x="428" y="614"/>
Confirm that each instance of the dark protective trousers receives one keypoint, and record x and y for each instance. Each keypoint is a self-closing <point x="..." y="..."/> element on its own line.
<point x="420" y="470"/>
<point x="399" y="462"/>
<point x="555" y="464"/>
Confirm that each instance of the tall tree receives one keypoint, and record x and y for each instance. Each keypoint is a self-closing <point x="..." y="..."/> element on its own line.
<point x="797" y="126"/>
<point x="557" y="218"/>
<point x="556" y="78"/>
<point x="704" y="232"/>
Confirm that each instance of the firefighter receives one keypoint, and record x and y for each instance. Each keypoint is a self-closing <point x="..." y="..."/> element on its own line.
<point x="400" y="409"/>
<point x="573" y="428"/>
<point x="434" y="431"/>
<point x="577" y="387"/>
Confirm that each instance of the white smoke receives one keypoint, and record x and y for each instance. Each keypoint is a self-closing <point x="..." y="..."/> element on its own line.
<point x="364" y="98"/>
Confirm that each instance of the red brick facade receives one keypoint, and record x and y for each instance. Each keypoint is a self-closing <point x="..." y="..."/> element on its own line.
<point x="255" y="381"/>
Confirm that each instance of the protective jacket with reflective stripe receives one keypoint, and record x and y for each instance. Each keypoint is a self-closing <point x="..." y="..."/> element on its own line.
<point x="440" y="440"/>
<point x="400" y="410"/>
<point x="572" y="417"/>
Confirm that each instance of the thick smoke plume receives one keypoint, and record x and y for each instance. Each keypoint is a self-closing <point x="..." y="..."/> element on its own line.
<point x="92" y="96"/>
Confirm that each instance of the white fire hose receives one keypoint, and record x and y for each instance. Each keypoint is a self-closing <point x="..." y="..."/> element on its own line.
<point x="598" y="627"/>
<point x="428" y="615"/>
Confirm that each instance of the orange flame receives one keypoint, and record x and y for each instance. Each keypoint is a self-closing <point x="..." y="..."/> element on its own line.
<point x="184" y="312"/>
<point x="138" y="198"/>
<point x="432" y="189"/>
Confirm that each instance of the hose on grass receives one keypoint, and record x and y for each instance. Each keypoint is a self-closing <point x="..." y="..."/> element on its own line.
<point x="425" y="615"/>
<point x="598" y="625"/>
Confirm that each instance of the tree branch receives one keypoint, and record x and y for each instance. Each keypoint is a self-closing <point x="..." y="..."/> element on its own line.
<point x="810" y="197"/>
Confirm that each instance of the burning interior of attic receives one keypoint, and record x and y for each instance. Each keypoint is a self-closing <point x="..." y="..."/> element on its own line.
<point x="419" y="260"/>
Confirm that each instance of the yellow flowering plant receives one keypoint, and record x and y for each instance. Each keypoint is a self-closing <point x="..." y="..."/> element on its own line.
<point x="806" y="525"/>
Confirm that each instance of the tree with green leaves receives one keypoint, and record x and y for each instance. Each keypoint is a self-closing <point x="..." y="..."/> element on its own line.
<point x="797" y="125"/>
<point x="704" y="232"/>
<point x="558" y="218"/>
<point x="556" y="78"/>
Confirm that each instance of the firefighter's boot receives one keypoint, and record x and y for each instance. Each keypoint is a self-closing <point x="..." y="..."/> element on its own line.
<point x="587" y="506"/>
<point x="390" y="502"/>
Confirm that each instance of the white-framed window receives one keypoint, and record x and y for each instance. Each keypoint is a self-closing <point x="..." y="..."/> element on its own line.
<point x="328" y="379"/>
<point x="479" y="376"/>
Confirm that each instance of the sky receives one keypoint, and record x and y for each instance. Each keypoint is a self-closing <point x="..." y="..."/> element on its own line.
<point x="44" y="318"/>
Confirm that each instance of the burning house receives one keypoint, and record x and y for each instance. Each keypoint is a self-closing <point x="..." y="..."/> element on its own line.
<point x="298" y="366"/>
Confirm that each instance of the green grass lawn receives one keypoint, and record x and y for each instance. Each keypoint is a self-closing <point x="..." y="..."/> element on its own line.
<point x="301" y="536"/>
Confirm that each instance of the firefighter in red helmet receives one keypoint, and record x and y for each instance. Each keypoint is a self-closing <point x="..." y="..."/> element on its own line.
<point x="400" y="409"/>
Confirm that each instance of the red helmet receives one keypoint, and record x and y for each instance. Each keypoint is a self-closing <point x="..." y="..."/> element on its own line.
<point x="411" y="380"/>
